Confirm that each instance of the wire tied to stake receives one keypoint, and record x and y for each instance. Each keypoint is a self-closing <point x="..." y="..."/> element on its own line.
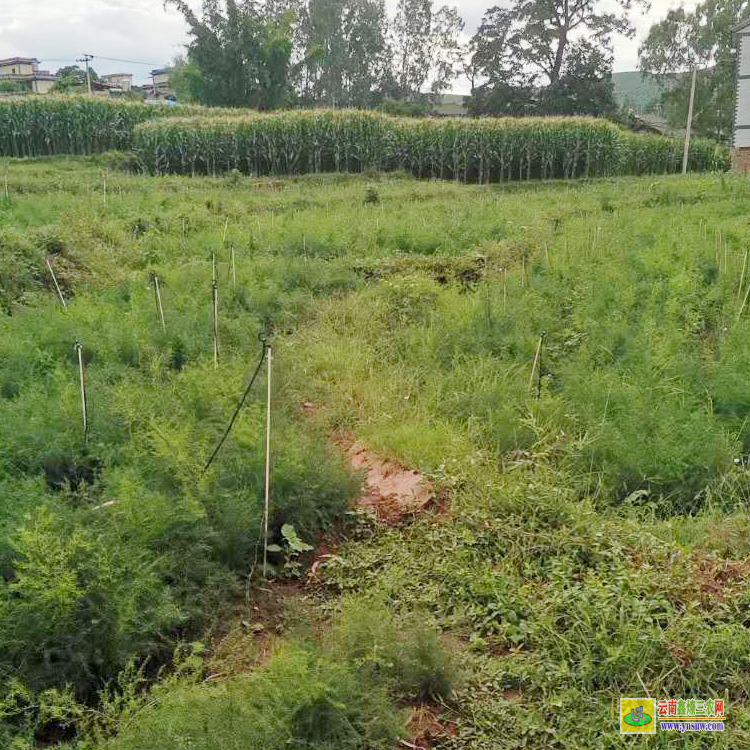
<point x="263" y="338"/>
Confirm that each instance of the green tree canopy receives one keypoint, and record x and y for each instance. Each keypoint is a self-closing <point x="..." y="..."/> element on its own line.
<point x="240" y="56"/>
<point x="702" y="39"/>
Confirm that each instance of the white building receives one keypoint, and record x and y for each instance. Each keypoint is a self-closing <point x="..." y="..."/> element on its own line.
<point x="741" y="136"/>
<point x="25" y="72"/>
<point x="123" y="81"/>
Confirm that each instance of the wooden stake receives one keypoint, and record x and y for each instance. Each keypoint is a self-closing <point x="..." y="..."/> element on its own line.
<point x="224" y="236"/>
<point x="268" y="470"/>
<point x="234" y="270"/>
<point x="744" y="302"/>
<point x="742" y="276"/>
<point x="158" y="302"/>
<point x="536" y="360"/>
<point x="84" y="409"/>
<point x="215" y="301"/>
<point x="57" y="286"/>
<point x="546" y="252"/>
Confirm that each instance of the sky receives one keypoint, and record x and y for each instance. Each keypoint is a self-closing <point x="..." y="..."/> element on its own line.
<point x="142" y="34"/>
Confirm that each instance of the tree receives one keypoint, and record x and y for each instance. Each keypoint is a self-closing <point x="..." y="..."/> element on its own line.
<point x="585" y="85"/>
<point x="240" y="57"/>
<point x="699" y="39"/>
<point x="532" y="57"/>
<point x="185" y="79"/>
<point x="425" y="45"/>
<point x="543" y="30"/>
<point x="72" y="78"/>
<point x="343" y="51"/>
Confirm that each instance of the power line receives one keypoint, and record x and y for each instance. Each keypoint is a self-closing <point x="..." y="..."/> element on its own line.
<point x="99" y="57"/>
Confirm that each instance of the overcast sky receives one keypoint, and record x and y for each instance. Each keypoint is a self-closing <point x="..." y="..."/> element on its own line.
<point x="142" y="31"/>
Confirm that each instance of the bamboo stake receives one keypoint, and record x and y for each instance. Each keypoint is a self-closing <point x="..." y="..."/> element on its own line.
<point x="84" y="409"/>
<point x="536" y="360"/>
<point x="57" y="286"/>
<point x="224" y="236"/>
<point x="744" y="302"/>
<point x="742" y="276"/>
<point x="268" y="470"/>
<point x="215" y="301"/>
<point x="234" y="270"/>
<point x="546" y="252"/>
<point x="158" y="302"/>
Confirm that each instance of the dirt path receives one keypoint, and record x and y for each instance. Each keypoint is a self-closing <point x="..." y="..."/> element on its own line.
<point x="391" y="491"/>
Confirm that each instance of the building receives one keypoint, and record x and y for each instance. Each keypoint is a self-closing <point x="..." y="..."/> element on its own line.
<point x="741" y="135"/>
<point x="160" y="82"/>
<point x="121" y="81"/>
<point x="25" y="72"/>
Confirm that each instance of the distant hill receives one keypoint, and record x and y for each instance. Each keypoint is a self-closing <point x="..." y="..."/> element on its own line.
<point x="633" y="90"/>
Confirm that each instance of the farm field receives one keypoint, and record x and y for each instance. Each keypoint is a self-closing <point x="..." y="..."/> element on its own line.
<point x="567" y="362"/>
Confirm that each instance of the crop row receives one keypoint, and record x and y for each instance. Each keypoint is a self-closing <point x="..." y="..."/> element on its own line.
<point x="486" y="150"/>
<point x="195" y="140"/>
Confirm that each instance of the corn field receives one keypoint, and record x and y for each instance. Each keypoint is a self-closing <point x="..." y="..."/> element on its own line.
<point x="485" y="150"/>
<point x="196" y="140"/>
<point x="43" y="126"/>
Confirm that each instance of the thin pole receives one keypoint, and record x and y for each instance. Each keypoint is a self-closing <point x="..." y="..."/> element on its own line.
<point x="742" y="276"/>
<point x="539" y="368"/>
<point x="79" y="349"/>
<point x="744" y="302"/>
<point x="215" y="300"/>
<point x="234" y="272"/>
<point x="536" y="359"/>
<point x="57" y="286"/>
<point x="158" y="303"/>
<point x="224" y="236"/>
<point x="505" y="284"/>
<point x="689" y="123"/>
<point x="268" y="469"/>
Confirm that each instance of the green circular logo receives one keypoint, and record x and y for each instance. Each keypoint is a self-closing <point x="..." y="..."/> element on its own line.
<point x="640" y="721"/>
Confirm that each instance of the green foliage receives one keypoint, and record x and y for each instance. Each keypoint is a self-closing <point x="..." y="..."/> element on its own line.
<point x="42" y="126"/>
<point x="702" y="39"/>
<point x="404" y="651"/>
<point x="237" y="56"/>
<point x="300" y="699"/>
<point x="487" y="150"/>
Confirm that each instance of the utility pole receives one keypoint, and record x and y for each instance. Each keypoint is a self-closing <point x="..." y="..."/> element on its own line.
<point x="689" y="123"/>
<point x="85" y="59"/>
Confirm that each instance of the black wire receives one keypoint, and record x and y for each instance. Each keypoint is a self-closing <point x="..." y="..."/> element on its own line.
<point x="239" y="406"/>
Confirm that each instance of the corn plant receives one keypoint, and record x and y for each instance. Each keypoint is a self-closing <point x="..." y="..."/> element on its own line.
<point x="486" y="150"/>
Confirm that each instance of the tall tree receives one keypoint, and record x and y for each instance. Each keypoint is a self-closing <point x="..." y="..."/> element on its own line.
<point x="701" y="39"/>
<point x="543" y="30"/>
<point x="242" y="57"/>
<point x="536" y="46"/>
<point x="343" y="51"/>
<point x="425" y="45"/>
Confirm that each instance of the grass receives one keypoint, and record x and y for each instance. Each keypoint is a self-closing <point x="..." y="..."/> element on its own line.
<point x="596" y="542"/>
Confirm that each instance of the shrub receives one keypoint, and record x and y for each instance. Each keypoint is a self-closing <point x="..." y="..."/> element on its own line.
<point x="404" y="651"/>
<point x="300" y="699"/>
